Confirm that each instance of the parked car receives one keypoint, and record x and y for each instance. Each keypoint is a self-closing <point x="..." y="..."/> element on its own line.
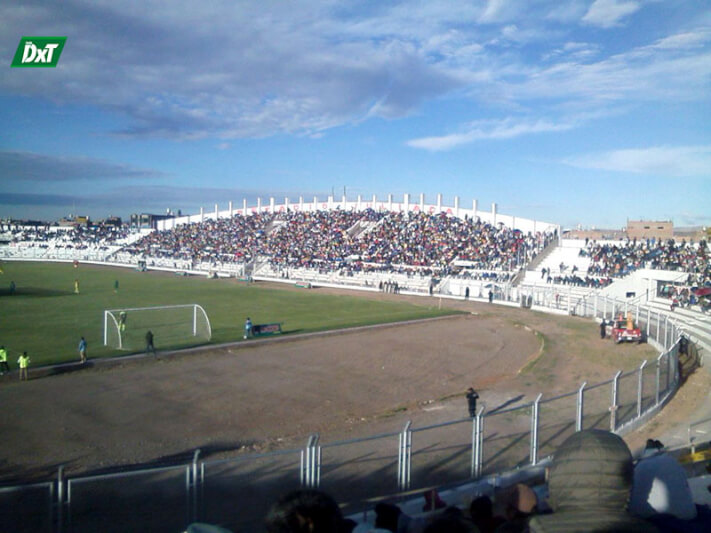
<point x="625" y="330"/>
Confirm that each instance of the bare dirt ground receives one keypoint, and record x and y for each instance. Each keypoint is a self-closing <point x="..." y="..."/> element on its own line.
<point x="266" y="396"/>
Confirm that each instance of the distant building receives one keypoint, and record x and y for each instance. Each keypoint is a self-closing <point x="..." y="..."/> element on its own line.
<point x="646" y="229"/>
<point x="147" y="220"/>
<point x="74" y="221"/>
<point x="112" y="221"/>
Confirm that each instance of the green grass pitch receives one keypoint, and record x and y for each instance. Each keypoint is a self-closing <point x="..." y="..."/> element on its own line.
<point x="46" y="318"/>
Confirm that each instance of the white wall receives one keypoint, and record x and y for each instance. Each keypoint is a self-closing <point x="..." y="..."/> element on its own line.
<point x="407" y="203"/>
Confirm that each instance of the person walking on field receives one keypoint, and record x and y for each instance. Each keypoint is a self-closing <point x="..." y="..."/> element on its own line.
<point x="247" y="328"/>
<point x="24" y="363"/>
<point x="82" y="350"/>
<point x="149" y="343"/>
<point x="3" y="361"/>
<point x="472" y="397"/>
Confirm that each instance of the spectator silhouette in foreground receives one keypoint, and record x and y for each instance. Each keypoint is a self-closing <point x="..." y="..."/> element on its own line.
<point x="589" y="486"/>
<point x="661" y="493"/>
<point x="306" y="511"/>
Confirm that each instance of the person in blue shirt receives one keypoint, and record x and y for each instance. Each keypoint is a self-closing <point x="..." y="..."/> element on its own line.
<point x="247" y="328"/>
<point x="82" y="350"/>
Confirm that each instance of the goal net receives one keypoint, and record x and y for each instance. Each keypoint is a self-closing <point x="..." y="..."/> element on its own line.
<point x="171" y="325"/>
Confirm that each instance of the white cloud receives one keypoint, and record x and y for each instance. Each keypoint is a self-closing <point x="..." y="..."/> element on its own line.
<point x="19" y="166"/>
<point x="566" y="11"/>
<point x="254" y="69"/>
<point x="608" y="13"/>
<point x="500" y="10"/>
<point x="573" y="50"/>
<point x="489" y="129"/>
<point x="665" y="161"/>
<point x="644" y="74"/>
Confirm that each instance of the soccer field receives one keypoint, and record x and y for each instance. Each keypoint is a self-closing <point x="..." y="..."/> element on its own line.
<point x="46" y="318"/>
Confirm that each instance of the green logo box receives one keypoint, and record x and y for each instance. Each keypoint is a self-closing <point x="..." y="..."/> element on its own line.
<point x="38" y="52"/>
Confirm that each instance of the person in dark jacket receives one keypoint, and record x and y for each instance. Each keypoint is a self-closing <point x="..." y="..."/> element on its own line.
<point x="603" y="325"/>
<point x="589" y="486"/>
<point x="472" y="397"/>
<point x="149" y="344"/>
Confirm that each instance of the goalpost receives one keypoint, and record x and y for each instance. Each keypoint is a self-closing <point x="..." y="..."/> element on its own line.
<point x="171" y="325"/>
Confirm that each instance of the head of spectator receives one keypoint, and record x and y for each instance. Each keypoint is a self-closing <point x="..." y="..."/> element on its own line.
<point x="305" y="511"/>
<point x="451" y="520"/>
<point x="660" y="487"/>
<point x="386" y="516"/>
<point x="482" y="512"/>
<point x="589" y="486"/>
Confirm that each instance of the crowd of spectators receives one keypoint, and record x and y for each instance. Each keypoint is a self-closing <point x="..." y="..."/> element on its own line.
<point x="76" y="236"/>
<point x="351" y="241"/>
<point x="72" y="237"/>
<point x="620" y="259"/>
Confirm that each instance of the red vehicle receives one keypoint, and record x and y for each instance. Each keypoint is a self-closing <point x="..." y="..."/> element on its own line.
<point x="625" y="330"/>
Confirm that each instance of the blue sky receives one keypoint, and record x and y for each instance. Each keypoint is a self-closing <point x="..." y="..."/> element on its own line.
<point x="569" y="111"/>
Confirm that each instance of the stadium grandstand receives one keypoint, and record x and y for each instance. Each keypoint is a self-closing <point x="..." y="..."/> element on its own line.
<point x="434" y="250"/>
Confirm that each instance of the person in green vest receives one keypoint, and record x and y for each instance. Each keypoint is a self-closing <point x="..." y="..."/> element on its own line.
<point x="3" y="361"/>
<point x="24" y="362"/>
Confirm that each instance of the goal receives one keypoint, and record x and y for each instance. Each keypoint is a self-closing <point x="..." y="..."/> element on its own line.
<point x="171" y="325"/>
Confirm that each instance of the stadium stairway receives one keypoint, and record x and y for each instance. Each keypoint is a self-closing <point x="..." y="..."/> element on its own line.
<point x="533" y="265"/>
<point x="568" y="253"/>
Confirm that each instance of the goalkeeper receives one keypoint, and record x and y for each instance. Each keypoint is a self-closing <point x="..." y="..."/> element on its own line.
<point x="122" y="321"/>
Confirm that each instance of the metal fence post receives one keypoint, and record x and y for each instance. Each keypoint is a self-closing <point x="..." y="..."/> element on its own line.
<point x="60" y="500"/>
<point x="613" y="406"/>
<point x="636" y="314"/>
<point x="404" y="458"/>
<point x="310" y="463"/>
<point x="534" y="431"/>
<point x="475" y="447"/>
<point x="649" y="319"/>
<point x="595" y="306"/>
<point x="659" y="320"/>
<point x="640" y="384"/>
<point x="195" y="485"/>
<point x="479" y="442"/>
<point x="659" y="379"/>
<point x="580" y="408"/>
<point x="666" y="329"/>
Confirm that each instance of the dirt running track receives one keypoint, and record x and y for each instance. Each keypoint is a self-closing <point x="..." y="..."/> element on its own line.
<point x="271" y="396"/>
<point x="146" y="411"/>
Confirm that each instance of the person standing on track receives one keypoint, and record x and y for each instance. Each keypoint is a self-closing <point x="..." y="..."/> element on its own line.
<point x="82" y="350"/>
<point x="24" y="363"/>
<point x="149" y="344"/>
<point x="3" y="361"/>
<point x="472" y="397"/>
